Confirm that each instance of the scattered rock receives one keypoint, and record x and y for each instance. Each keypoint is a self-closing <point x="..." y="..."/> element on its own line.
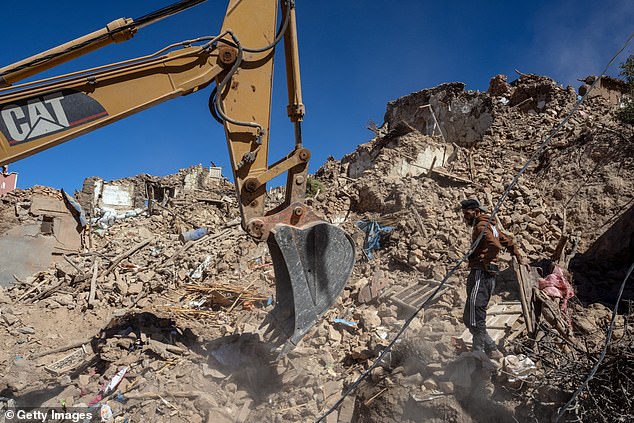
<point x="159" y="304"/>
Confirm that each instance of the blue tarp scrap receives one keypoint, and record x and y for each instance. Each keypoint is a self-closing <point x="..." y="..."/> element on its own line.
<point x="346" y="322"/>
<point x="373" y="231"/>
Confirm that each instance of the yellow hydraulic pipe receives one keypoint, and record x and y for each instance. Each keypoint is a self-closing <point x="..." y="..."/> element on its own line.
<point x="295" y="105"/>
<point x="116" y="31"/>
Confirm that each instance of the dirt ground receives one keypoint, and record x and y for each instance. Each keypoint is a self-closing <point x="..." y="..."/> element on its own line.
<point x="180" y="322"/>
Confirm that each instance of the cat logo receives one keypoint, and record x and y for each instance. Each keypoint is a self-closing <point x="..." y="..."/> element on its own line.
<point x="36" y="117"/>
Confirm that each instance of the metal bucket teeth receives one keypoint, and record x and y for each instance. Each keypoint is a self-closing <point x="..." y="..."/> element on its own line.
<point x="312" y="266"/>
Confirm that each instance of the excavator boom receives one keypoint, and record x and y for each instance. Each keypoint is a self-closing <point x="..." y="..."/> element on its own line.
<point x="312" y="259"/>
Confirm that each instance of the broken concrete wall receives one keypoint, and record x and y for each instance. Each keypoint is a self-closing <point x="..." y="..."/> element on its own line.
<point x="403" y="152"/>
<point x="8" y="182"/>
<point x="463" y="116"/>
<point x="610" y="89"/>
<point x="45" y="227"/>
<point x="86" y="196"/>
<point x="56" y="220"/>
<point x="25" y="251"/>
<point x="499" y="86"/>
<point x="536" y="94"/>
<point x="433" y="155"/>
<point x="199" y="177"/>
<point x="127" y="197"/>
<point x="117" y="196"/>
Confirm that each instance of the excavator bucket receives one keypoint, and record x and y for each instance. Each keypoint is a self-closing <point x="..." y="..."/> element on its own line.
<point x="312" y="265"/>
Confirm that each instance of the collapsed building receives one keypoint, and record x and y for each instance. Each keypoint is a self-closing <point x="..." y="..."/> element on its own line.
<point x="176" y="325"/>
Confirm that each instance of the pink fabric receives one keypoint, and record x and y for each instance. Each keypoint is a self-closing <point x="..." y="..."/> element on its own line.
<point x="557" y="285"/>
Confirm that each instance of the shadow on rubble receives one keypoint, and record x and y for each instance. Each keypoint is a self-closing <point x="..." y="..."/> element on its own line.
<point x="51" y="386"/>
<point x="156" y="335"/>
<point x="248" y="361"/>
<point x="244" y="359"/>
<point x="479" y="400"/>
<point x="32" y="398"/>
<point x="599" y="271"/>
<point x="122" y="338"/>
<point x="507" y="286"/>
<point x="471" y="374"/>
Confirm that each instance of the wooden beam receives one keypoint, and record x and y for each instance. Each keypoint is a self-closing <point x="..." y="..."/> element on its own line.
<point x="526" y="295"/>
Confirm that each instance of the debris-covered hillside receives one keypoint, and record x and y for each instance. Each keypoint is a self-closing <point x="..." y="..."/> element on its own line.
<point x="128" y="310"/>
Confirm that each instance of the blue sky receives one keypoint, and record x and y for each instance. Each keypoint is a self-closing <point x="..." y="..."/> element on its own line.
<point x="355" y="56"/>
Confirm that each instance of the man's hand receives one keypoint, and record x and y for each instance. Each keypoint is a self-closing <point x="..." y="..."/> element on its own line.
<point x="522" y="260"/>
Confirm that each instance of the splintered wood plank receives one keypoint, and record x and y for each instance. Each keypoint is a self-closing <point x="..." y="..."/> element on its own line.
<point x="502" y="319"/>
<point x="526" y="281"/>
<point x="411" y="297"/>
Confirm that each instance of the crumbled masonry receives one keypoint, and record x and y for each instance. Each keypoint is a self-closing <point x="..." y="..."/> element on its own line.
<point x="178" y="322"/>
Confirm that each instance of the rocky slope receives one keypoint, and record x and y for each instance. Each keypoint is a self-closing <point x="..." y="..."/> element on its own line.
<point x="181" y="319"/>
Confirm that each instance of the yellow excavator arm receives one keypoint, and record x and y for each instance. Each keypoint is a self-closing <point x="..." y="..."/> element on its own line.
<point x="312" y="259"/>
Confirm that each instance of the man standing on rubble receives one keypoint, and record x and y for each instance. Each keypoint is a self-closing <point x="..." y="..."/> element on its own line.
<point x="483" y="269"/>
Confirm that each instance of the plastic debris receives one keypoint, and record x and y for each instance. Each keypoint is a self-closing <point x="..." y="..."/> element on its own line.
<point x="105" y="413"/>
<point x="198" y="272"/>
<point x="557" y="285"/>
<point x="345" y="322"/>
<point x="373" y="231"/>
<point x="107" y="218"/>
<point x="81" y="216"/>
<point x="115" y="381"/>
<point x="109" y="388"/>
<point x="193" y="235"/>
<point x="197" y="303"/>
<point x="517" y="368"/>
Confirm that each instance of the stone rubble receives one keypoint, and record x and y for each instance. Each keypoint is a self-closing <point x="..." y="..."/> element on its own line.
<point x="183" y="319"/>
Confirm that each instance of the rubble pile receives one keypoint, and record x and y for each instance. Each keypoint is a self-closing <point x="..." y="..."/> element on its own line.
<point x="565" y="364"/>
<point x="157" y="316"/>
<point x="573" y="192"/>
<point x="586" y="158"/>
